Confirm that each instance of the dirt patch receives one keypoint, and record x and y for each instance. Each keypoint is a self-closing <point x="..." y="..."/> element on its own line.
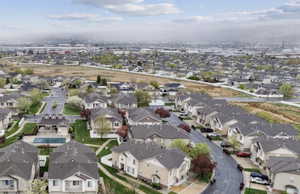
<point x="273" y="112"/>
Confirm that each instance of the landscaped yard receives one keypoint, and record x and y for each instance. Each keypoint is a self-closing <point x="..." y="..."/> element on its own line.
<point x="114" y="187"/>
<point x="35" y="108"/>
<point x="12" y="129"/>
<point x="107" y="149"/>
<point x="252" y="170"/>
<point x="29" y="128"/>
<point x="82" y="135"/>
<point x="254" y="191"/>
<point x="71" y="110"/>
<point x="45" y="151"/>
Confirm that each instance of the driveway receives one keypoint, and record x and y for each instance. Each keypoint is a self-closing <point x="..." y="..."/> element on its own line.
<point x="228" y="177"/>
<point x="57" y="97"/>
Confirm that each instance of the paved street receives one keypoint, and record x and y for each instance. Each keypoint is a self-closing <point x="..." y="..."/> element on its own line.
<point x="228" y="177"/>
<point x="57" y="97"/>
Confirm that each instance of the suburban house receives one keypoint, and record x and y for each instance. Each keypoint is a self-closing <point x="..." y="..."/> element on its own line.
<point x="142" y="116"/>
<point x="163" y="134"/>
<point x="124" y="87"/>
<point x="152" y="163"/>
<point x="73" y="169"/>
<point x="95" y="100"/>
<point x="5" y="118"/>
<point x="245" y="132"/>
<point x="124" y="101"/>
<point x="19" y="165"/>
<point x="9" y="100"/>
<point x="265" y="147"/>
<point x="54" y="124"/>
<point x="284" y="174"/>
<point x="111" y="115"/>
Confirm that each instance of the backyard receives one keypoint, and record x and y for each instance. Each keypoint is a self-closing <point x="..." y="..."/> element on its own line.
<point x="29" y="129"/>
<point x="71" y="110"/>
<point x="81" y="134"/>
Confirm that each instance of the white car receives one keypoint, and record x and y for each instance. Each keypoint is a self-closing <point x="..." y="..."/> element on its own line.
<point x="259" y="181"/>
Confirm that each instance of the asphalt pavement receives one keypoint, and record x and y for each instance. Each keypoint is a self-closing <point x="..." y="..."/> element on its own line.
<point x="228" y="177"/>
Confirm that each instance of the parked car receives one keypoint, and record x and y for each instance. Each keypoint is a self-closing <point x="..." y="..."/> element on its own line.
<point x="243" y="154"/>
<point x="259" y="180"/>
<point x="225" y="144"/>
<point x="226" y="151"/>
<point x="259" y="175"/>
<point x="206" y="130"/>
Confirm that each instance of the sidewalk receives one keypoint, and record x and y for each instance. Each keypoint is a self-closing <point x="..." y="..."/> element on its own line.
<point x="113" y="177"/>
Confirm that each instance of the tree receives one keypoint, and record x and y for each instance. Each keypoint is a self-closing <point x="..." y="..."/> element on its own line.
<point x="193" y="152"/>
<point x="36" y="96"/>
<point x="2" y="83"/>
<point x="155" y="84"/>
<point x="44" y="85"/>
<point x="7" y="81"/>
<point x="102" y="125"/>
<point x="98" y="79"/>
<point x="38" y="186"/>
<point x="234" y="142"/>
<point x="113" y="91"/>
<point x="143" y="98"/>
<point x="28" y="71"/>
<point x="86" y="113"/>
<point x="181" y="145"/>
<point x="104" y="82"/>
<point x="202" y="166"/>
<point x="162" y="113"/>
<point x="24" y="104"/>
<point x="287" y="90"/>
<point x="199" y="149"/>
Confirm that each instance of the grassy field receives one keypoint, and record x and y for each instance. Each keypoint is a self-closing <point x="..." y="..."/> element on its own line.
<point x="82" y="134"/>
<point x="29" y="128"/>
<point x="12" y="129"/>
<point x="70" y="110"/>
<point x="107" y="149"/>
<point x="254" y="191"/>
<point x="91" y="73"/>
<point x="276" y="113"/>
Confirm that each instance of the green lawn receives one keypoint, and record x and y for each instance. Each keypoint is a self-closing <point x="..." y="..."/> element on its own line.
<point x="45" y="151"/>
<point x="70" y="110"/>
<point x="34" y="108"/>
<point x="12" y="129"/>
<point x="254" y="191"/>
<point x="115" y="187"/>
<point x="29" y="128"/>
<point x="252" y="170"/>
<point x="83" y="135"/>
<point x="11" y="140"/>
<point x="105" y="151"/>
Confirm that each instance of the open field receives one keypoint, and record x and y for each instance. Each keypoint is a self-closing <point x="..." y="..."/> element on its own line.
<point x="273" y="112"/>
<point x="91" y="73"/>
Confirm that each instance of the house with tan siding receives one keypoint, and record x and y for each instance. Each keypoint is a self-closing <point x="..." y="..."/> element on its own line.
<point x="152" y="163"/>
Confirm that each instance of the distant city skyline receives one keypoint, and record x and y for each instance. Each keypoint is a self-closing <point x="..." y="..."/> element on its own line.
<point x="151" y="20"/>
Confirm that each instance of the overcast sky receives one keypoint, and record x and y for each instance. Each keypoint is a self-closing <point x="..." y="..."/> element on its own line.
<point x="152" y="20"/>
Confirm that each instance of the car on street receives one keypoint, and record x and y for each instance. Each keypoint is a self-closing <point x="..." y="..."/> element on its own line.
<point x="226" y="151"/>
<point x="225" y="144"/>
<point x="206" y="130"/>
<point x="243" y="154"/>
<point x="259" y="180"/>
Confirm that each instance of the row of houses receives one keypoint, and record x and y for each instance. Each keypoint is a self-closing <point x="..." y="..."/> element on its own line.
<point x="274" y="147"/>
<point x="72" y="168"/>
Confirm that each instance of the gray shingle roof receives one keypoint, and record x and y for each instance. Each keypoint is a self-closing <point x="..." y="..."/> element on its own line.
<point x="163" y="130"/>
<point x="169" y="158"/>
<point x="269" y="144"/>
<point x="284" y="164"/>
<point x="139" y="114"/>
<point x="17" y="159"/>
<point x="95" y="97"/>
<point x="71" y="158"/>
<point x="111" y="112"/>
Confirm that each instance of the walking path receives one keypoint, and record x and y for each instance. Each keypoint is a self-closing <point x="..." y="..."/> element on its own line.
<point x="112" y="176"/>
<point x="18" y="131"/>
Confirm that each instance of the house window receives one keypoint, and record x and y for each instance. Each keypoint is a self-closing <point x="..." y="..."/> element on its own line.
<point x="54" y="183"/>
<point x="116" y="124"/>
<point x="133" y="161"/>
<point x="90" y="184"/>
<point x="75" y="183"/>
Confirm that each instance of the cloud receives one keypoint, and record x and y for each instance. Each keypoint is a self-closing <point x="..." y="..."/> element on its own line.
<point x="133" y="7"/>
<point x="85" y="17"/>
<point x="290" y="10"/>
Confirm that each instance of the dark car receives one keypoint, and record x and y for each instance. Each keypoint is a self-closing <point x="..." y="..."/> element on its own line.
<point x="206" y="130"/>
<point x="225" y="144"/>
<point x="240" y="167"/>
<point x="259" y="175"/>
<point x="243" y="154"/>
<point x="226" y="151"/>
